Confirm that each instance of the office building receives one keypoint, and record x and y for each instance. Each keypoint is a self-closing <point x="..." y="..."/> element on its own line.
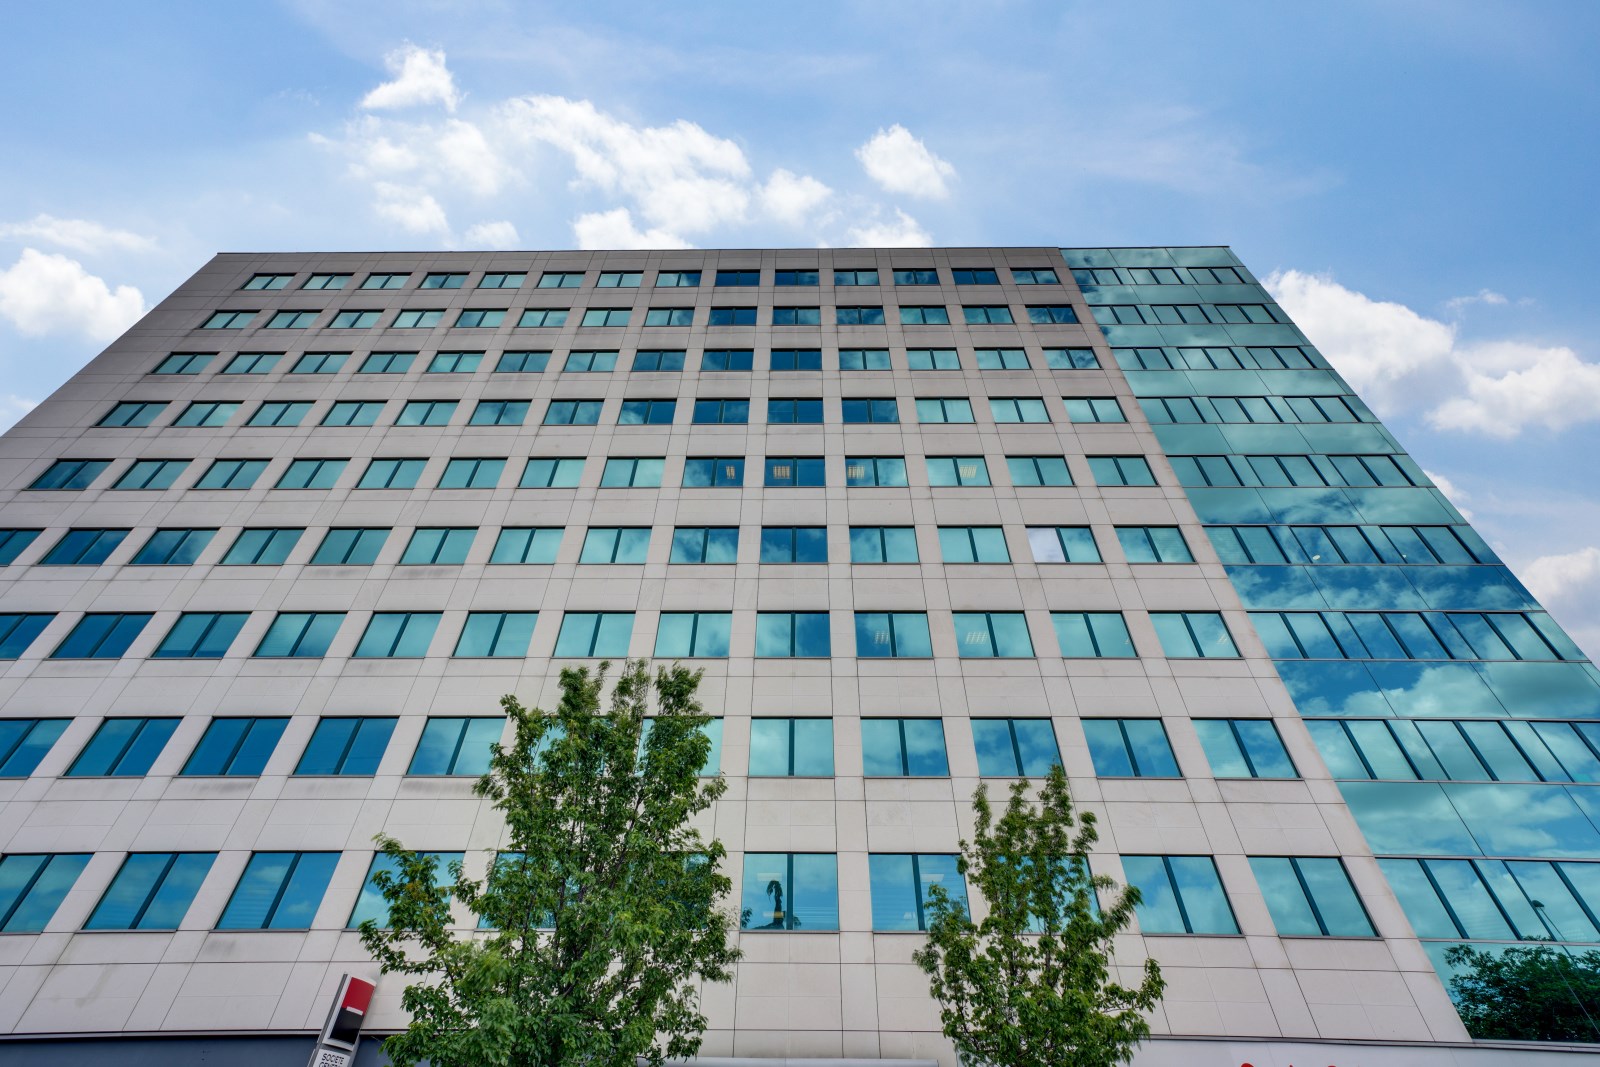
<point x="927" y="519"/>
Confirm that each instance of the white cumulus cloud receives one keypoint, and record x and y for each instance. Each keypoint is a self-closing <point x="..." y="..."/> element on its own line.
<point x="1399" y="360"/>
<point x="615" y="229"/>
<point x="420" y="77"/>
<point x="1457" y="495"/>
<point x="901" y="163"/>
<point x="80" y="235"/>
<point x="1569" y="585"/>
<point x="410" y="208"/>
<point x="901" y="232"/>
<point x="791" y="198"/>
<point x="659" y="186"/>
<point x="45" y="292"/>
<point x="679" y="177"/>
<point x="1482" y="296"/>
<point x="497" y="235"/>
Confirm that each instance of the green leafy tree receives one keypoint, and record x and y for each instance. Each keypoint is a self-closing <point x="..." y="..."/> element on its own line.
<point x="1536" y="993"/>
<point x="1031" y="984"/>
<point x="600" y="917"/>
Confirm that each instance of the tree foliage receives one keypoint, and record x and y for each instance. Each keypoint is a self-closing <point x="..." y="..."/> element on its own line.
<point x="1536" y="993"/>
<point x="600" y="916"/>
<point x="1031" y="984"/>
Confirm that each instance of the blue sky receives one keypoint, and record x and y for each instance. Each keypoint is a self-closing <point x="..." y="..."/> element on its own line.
<point x="1417" y="177"/>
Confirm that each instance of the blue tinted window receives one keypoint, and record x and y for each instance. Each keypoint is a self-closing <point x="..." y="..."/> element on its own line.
<point x="892" y="634"/>
<point x="1310" y="896"/>
<point x="794" y="544"/>
<point x="864" y="359"/>
<point x="632" y="472"/>
<point x="1063" y="544"/>
<point x="794" y="471"/>
<point x="552" y="474"/>
<point x="279" y="891"/>
<point x="438" y="545"/>
<point x="705" y="544"/>
<point x="235" y="746"/>
<point x="738" y="277"/>
<point x="497" y="633"/>
<point x="722" y="411"/>
<point x="70" y="474"/>
<point x="792" y="634"/>
<point x="1038" y="470"/>
<point x="599" y="635"/>
<point x="702" y="634"/>
<point x="876" y="471"/>
<point x="1092" y="634"/>
<point x="392" y="474"/>
<point x="615" y="544"/>
<point x="797" y="358"/>
<point x="903" y="748"/>
<point x="152" y="891"/>
<point x="957" y="470"/>
<point x="161" y="473"/>
<point x="1193" y="634"/>
<point x="352" y="746"/>
<point x="933" y="359"/>
<point x="791" y="748"/>
<point x="24" y="742"/>
<point x="734" y="359"/>
<point x="472" y="473"/>
<point x="101" y="636"/>
<point x="83" y="548"/>
<point x="649" y="412"/>
<point x="261" y="547"/>
<point x="1121" y="470"/>
<point x="300" y="634"/>
<point x="201" y="635"/>
<point x="522" y="362"/>
<point x="1244" y="748"/>
<point x="133" y="413"/>
<point x="527" y="544"/>
<point x="1130" y="748"/>
<point x="869" y="409"/>
<point x="18" y="631"/>
<point x="573" y="413"/>
<point x="701" y="472"/>
<point x="733" y="316"/>
<point x="371" y="904"/>
<point x="13" y="541"/>
<point x="184" y="363"/>
<point x="791" y="891"/>
<point x="883" y="544"/>
<point x="172" y="548"/>
<point x="993" y="634"/>
<point x="1182" y="895"/>
<point x="900" y="887"/>
<point x="122" y="747"/>
<point x="32" y="887"/>
<point x="1015" y="748"/>
<point x="351" y="547"/>
<point x="713" y="731"/>
<point x="1153" y="544"/>
<point x="227" y="474"/>
<point x="973" y="544"/>
<point x="658" y="359"/>
<point x="456" y="746"/>
<point x="397" y="635"/>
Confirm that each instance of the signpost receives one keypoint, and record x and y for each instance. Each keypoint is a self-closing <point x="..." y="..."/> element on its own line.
<point x="336" y="1045"/>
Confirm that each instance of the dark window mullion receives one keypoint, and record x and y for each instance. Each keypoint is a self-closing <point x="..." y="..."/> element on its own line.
<point x="1444" y="898"/>
<point x="1238" y="739"/>
<point x="455" y="753"/>
<point x="155" y="887"/>
<point x="283" y="887"/>
<point x="916" y="886"/>
<point x="22" y="897"/>
<point x="1311" y="900"/>
<point x="1177" y="895"/>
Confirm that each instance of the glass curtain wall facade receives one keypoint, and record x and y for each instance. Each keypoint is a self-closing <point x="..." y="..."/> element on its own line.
<point x="928" y="519"/>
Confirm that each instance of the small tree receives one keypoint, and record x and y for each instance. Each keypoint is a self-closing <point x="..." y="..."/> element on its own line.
<point x="601" y="915"/>
<point x="1527" y="994"/>
<point x="1031" y="984"/>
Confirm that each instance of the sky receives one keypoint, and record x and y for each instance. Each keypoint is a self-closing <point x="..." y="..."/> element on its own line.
<point x="1414" y="179"/>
